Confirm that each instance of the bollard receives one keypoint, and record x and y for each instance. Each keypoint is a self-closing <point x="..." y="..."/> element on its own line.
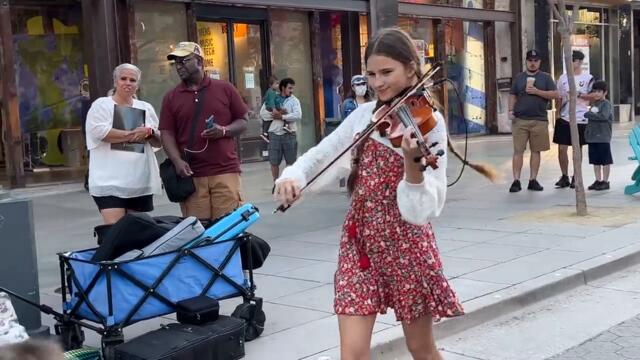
<point x="18" y="260"/>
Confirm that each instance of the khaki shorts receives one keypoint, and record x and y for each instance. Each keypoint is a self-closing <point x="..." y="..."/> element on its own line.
<point x="215" y="196"/>
<point x="535" y="132"/>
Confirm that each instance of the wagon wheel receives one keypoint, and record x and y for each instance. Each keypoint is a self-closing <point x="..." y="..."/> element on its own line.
<point x="109" y="342"/>
<point x="254" y="319"/>
<point x="71" y="335"/>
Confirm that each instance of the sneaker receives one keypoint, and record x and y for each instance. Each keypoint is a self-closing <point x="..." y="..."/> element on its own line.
<point x="595" y="185"/>
<point x="604" y="185"/>
<point x="515" y="186"/>
<point x="573" y="183"/>
<point x="563" y="182"/>
<point x="265" y="137"/>
<point x="534" y="185"/>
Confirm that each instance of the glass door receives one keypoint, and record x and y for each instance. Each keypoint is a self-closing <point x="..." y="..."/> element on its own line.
<point x="250" y="78"/>
<point x="234" y="51"/>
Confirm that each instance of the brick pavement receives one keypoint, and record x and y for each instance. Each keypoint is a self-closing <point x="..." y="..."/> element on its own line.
<point x="619" y="342"/>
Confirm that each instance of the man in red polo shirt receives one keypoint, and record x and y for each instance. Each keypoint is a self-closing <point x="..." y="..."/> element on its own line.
<point x="213" y="159"/>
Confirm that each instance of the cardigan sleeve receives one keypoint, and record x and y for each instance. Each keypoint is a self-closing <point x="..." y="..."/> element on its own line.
<point x="99" y="121"/>
<point x="320" y="155"/>
<point x="420" y="202"/>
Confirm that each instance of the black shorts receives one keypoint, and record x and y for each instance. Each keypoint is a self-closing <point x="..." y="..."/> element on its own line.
<point x="142" y="203"/>
<point x="600" y="154"/>
<point x="562" y="133"/>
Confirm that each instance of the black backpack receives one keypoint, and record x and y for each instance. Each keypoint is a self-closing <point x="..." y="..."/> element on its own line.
<point x="133" y="231"/>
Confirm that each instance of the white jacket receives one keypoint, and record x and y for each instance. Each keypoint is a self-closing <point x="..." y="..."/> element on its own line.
<point x="417" y="202"/>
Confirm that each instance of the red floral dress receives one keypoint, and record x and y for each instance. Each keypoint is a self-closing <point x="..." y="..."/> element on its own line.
<point x="385" y="261"/>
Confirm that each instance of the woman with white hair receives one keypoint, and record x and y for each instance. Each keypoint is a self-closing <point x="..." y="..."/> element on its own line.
<point x="122" y="177"/>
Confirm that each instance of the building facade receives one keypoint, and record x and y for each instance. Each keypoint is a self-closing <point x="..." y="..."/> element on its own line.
<point x="64" y="53"/>
<point x="607" y="32"/>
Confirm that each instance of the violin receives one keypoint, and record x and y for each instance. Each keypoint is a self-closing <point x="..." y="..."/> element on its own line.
<point x="414" y="112"/>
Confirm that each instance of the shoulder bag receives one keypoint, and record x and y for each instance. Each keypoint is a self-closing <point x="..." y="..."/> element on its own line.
<point x="179" y="188"/>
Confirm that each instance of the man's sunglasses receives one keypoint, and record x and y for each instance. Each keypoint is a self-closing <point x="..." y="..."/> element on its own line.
<point x="182" y="61"/>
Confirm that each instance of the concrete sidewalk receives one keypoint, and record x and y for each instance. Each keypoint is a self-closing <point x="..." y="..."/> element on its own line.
<point x="501" y="251"/>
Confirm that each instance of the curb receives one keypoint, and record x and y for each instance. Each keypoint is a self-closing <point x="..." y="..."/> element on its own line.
<point x="48" y="190"/>
<point x="390" y="343"/>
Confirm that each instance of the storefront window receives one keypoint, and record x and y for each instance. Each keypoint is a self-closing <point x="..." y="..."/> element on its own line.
<point x="364" y="39"/>
<point x="159" y="26"/>
<point x="291" y="57"/>
<point x="465" y="66"/>
<point x="212" y="36"/>
<point x="50" y="71"/>
<point x="612" y="63"/>
<point x="331" y="49"/>
<point x="422" y="31"/>
<point x="587" y="39"/>
<point x="247" y="43"/>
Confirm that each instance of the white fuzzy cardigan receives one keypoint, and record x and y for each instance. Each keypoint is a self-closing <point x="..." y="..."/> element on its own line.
<point x="417" y="202"/>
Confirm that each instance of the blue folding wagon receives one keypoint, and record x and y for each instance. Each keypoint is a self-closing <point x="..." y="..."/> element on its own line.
<point x="112" y="295"/>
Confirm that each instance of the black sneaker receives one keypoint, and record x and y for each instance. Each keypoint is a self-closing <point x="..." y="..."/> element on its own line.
<point x="534" y="185"/>
<point x="573" y="183"/>
<point x="563" y="182"/>
<point x="595" y="185"/>
<point x="604" y="185"/>
<point x="515" y="186"/>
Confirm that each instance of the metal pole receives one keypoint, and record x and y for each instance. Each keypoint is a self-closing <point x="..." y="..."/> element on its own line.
<point x="382" y="13"/>
<point x="10" y="103"/>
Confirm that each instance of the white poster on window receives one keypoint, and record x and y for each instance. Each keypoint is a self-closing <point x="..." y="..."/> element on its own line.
<point x="214" y="74"/>
<point x="249" y="80"/>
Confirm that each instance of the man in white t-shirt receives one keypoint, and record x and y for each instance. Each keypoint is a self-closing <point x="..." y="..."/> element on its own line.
<point x="562" y="132"/>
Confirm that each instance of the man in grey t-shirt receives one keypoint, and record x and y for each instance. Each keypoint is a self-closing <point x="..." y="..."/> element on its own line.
<point x="531" y="93"/>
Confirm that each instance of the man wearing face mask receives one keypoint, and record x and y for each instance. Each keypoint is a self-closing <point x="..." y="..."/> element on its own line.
<point x="213" y="161"/>
<point x="359" y="94"/>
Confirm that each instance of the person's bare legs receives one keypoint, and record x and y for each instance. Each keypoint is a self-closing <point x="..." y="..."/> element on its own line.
<point x="355" y="336"/>
<point x="534" y="164"/>
<point x="419" y="337"/>
<point x="597" y="169"/>
<point x="111" y="216"/>
<point x="563" y="159"/>
<point x="606" y="170"/>
<point x="275" y="172"/>
<point x="517" y="165"/>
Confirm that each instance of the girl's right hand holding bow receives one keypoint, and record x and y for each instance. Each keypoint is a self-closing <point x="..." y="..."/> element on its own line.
<point x="287" y="191"/>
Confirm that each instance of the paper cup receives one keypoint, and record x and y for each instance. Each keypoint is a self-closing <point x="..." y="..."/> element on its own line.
<point x="530" y="81"/>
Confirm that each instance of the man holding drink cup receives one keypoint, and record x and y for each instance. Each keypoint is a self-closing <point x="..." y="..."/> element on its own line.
<point x="531" y="94"/>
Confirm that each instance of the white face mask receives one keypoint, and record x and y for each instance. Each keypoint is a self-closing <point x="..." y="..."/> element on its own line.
<point x="360" y="90"/>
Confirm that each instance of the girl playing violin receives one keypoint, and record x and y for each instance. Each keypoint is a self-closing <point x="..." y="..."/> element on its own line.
<point x="388" y="256"/>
